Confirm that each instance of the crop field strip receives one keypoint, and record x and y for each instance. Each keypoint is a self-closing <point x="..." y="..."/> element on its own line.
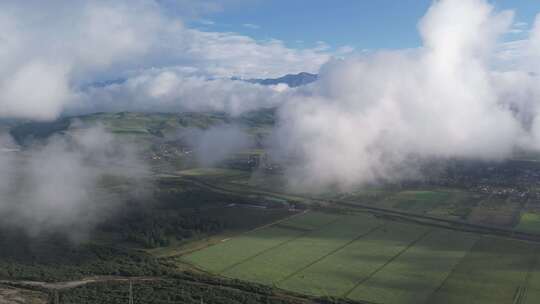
<point x="330" y="253"/>
<point x="532" y="287"/>
<point x="342" y="271"/>
<point x="443" y="282"/>
<point x="276" y="264"/>
<point x="381" y="267"/>
<point x="495" y="271"/>
<point x="412" y="276"/>
<point x="303" y="232"/>
<point x="379" y="261"/>
<point x="218" y="257"/>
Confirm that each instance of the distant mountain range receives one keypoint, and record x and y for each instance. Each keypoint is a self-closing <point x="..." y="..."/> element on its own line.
<point x="106" y="83"/>
<point x="292" y="80"/>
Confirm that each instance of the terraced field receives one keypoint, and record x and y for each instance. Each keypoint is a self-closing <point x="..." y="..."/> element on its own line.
<point x="364" y="258"/>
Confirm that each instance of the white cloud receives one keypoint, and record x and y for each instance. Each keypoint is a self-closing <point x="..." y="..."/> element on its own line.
<point x="372" y="116"/>
<point x="57" y="186"/>
<point x="173" y="90"/>
<point x="229" y="54"/>
<point x="45" y="48"/>
<point x="251" y="26"/>
<point x="518" y="28"/>
<point x="48" y="50"/>
<point x="206" y="22"/>
<point x="368" y="115"/>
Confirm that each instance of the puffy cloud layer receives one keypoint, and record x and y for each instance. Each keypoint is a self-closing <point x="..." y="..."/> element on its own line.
<point x="365" y="119"/>
<point x="370" y="115"/>
<point x="45" y="48"/>
<point x="60" y="185"/>
<point x="218" y="142"/>
<point x="49" y="50"/>
<point x="172" y="90"/>
<point x="49" y="53"/>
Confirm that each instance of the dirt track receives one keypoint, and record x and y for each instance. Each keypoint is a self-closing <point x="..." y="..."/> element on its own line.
<point x="75" y="283"/>
<point x="12" y="295"/>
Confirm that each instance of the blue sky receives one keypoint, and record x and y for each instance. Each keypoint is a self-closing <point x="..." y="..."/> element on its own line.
<point x="359" y="23"/>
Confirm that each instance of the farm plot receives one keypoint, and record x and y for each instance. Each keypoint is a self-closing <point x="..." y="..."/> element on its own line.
<point x="495" y="271"/>
<point x="439" y="202"/>
<point x="444" y="202"/>
<point x="419" y="201"/>
<point x="339" y="273"/>
<point x="532" y="291"/>
<point x="277" y="264"/>
<point x="368" y="196"/>
<point x="379" y="261"/>
<point x="495" y="212"/>
<point x="230" y="252"/>
<point x="529" y="222"/>
<point x="415" y="274"/>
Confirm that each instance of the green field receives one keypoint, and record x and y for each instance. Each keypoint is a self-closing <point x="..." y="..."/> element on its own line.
<point x="276" y="264"/>
<point x="413" y="275"/>
<point x="529" y="222"/>
<point x="368" y="259"/>
<point x="339" y="273"/>
<point x="532" y="295"/>
<point x="443" y="202"/>
<point x="230" y="252"/>
<point x="494" y="272"/>
<point x="419" y="200"/>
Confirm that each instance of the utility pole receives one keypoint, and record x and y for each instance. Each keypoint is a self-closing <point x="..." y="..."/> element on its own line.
<point x="56" y="297"/>
<point x="130" y="292"/>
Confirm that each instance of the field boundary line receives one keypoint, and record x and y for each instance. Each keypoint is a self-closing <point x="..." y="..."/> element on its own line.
<point x="276" y="222"/>
<point x="331" y="253"/>
<point x="277" y="246"/>
<point x="443" y="282"/>
<point x="235" y="235"/>
<point x="529" y="275"/>
<point x="402" y="251"/>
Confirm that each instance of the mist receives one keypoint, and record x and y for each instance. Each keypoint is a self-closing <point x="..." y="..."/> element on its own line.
<point x="50" y="52"/>
<point x="64" y="185"/>
<point x="173" y="90"/>
<point x="370" y="117"/>
<point x="216" y="143"/>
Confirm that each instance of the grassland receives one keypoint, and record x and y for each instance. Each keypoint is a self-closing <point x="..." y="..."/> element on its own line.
<point x="368" y="259"/>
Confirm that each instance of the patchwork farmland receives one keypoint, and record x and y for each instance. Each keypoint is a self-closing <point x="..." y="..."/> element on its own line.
<point x="367" y="259"/>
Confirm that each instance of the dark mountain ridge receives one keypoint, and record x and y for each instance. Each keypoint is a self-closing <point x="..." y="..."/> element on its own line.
<point x="292" y="80"/>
